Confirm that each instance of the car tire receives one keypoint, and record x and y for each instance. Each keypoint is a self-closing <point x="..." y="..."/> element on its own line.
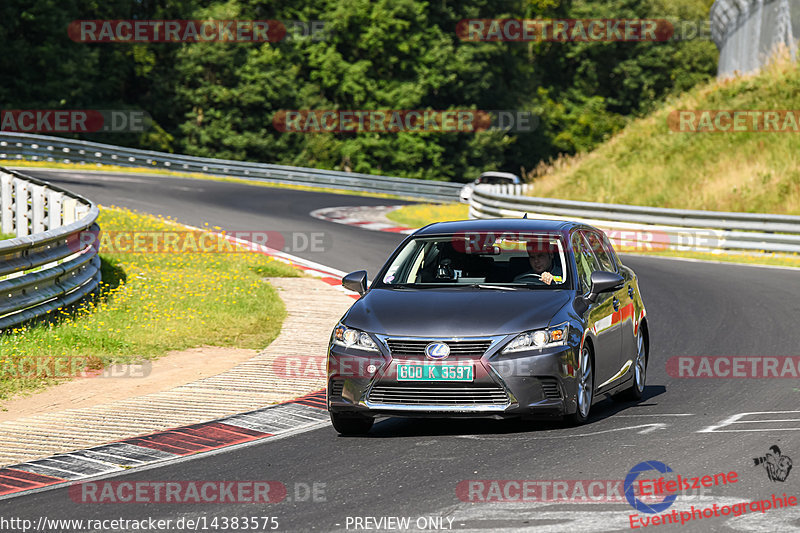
<point x="585" y="392"/>
<point x="349" y="425"/>
<point x="636" y="390"/>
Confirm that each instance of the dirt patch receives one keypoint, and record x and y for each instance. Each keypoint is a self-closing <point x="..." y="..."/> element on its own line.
<point x="174" y="369"/>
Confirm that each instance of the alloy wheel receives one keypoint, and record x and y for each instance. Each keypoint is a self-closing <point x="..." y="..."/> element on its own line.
<point x="585" y="383"/>
<point x="641" y="361"/>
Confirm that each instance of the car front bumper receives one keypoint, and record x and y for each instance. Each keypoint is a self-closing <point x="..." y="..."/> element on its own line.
<point x="535" y="383"/>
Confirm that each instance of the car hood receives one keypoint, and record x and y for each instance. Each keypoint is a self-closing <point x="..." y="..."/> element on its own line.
<point x="454" y="312"/>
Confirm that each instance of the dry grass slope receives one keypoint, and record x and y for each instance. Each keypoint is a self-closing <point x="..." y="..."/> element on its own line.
<point x="649" y="164"/>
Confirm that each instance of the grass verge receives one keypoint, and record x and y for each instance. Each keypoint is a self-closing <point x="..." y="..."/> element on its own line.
<point x="418" y="215"/>
<point x="150" y="303"/>
<point x="94" y="167"/>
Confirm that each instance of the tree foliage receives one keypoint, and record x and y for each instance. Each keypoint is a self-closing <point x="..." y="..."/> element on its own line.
<point x="219" y="99"/>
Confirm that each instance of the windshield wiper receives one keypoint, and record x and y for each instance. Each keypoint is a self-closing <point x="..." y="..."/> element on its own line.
<point x="420" y="285"/>
<point x="497" y="287"/>
<point x="452" y="286"/>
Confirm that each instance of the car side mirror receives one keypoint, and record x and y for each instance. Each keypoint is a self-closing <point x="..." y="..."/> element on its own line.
<point x="604" y="282"/>
<point x="356" y="281"/>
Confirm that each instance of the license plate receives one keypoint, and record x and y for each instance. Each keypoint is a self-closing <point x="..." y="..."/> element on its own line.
<point x="416" y="372"/>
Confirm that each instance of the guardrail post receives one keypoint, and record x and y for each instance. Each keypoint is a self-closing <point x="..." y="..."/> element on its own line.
<point x="68" y="210"/>
<point x="6" y="204"/>
<point x="37" y="208"/>
<point x="54" y="206"/>
<point x="22" y="208"/>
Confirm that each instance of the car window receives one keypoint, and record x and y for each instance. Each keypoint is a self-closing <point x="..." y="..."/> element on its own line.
<point x="601" y="253"/>
<point x="496" y="180"/>
<point x="585" y="261"/>
<point x="611" y="252"/>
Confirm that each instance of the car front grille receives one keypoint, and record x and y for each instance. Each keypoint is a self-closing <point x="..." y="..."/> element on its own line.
<point x="438" y="395"/>
<point x="460" y="348"/>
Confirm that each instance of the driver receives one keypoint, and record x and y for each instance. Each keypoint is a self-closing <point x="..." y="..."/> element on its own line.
<point x="540" y="258"/>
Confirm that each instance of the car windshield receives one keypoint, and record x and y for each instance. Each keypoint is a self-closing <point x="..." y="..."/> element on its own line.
<point x="485" y="260"/>
<point x="496" y="180"/>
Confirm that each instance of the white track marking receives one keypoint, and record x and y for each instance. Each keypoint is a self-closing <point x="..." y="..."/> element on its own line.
<point x="736" y="419"/>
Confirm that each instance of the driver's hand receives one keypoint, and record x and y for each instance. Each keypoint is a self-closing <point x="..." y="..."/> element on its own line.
<point x="547" y="278"/>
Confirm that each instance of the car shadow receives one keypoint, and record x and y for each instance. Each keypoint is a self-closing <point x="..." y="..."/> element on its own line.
<point x="397" y="427"/>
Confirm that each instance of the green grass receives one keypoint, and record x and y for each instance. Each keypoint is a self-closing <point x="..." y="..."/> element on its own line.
<point x="4" y="236"/>
<point x="782" y="260"/>
<point x="650" y="164"/>
<point x="151" y="303"/>
<point x="418" y="215"/>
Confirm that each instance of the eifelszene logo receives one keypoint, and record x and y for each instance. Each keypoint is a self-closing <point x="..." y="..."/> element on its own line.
<point x="629" y="486"/>
<point x="669" y="488"/>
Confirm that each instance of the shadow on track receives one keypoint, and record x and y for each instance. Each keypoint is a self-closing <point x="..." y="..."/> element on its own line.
<point x="397" y="427"/>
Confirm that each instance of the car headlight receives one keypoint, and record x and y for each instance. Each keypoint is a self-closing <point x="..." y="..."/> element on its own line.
<point x="540" y="338"/>
<point x="353" y="338"/>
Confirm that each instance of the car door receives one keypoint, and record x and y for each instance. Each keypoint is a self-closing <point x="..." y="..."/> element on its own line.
<point x="622" y="300"/>
<point x="631" y="306"/>
<point x="599" y="316"/>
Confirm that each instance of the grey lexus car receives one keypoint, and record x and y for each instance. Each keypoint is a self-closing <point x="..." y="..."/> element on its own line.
<point x="489" y="318"/>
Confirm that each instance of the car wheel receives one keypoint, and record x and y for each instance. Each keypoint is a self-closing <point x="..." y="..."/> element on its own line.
<point x="635" y="391"/>
<point x="351" y="424"/>
<point x="585" y="393"/>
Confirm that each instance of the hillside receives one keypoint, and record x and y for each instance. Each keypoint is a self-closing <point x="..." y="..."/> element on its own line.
<point x="650" y="164"/>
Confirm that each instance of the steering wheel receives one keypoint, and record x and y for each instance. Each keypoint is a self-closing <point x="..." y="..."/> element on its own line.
<point x="531" y="275"/>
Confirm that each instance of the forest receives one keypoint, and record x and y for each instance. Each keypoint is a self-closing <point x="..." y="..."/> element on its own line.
<point x="224" y="99"/>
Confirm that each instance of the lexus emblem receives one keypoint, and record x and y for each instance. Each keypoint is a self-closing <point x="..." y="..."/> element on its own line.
<point x="437" y="350"/>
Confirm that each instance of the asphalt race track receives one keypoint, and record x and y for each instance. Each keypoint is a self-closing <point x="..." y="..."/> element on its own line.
<point x="407" y="468"/>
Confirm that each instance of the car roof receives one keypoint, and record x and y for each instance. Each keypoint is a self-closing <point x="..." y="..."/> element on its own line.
<point x="499" y="225"/>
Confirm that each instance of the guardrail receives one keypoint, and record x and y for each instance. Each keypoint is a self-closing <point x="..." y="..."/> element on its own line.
<point x="46" y="266"/>
<point x="649" y="228"/>
<point x="44" y="148"/>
